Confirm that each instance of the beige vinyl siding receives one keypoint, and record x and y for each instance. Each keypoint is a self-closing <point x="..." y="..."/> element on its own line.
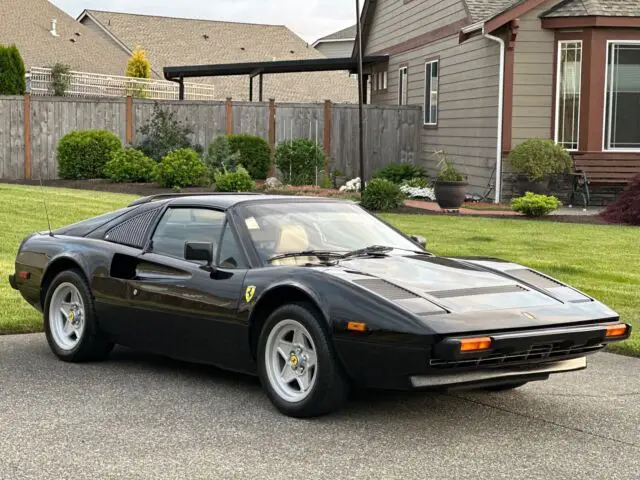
<point x="336" y="49"/>
<point x="468" y="103"/>
<point x="533" y="88"/>
<point x="395" y="22"/>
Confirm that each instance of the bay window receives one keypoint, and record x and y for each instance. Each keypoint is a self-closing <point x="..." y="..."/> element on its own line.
<point x="568" y="84"/>
<point x="622" y="94"/>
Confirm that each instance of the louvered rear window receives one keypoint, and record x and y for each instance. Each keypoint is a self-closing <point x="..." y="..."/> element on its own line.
<point x="132" y="232"/>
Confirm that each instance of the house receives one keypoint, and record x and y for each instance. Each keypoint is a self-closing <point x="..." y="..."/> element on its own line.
<point x="180" y="41"/>
<point x="46" y="35"/>
<point x="492" y="73"/>
<point x="337" y="45"/>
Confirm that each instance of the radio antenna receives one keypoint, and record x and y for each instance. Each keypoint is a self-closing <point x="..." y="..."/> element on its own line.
<point x="44" y="202"/>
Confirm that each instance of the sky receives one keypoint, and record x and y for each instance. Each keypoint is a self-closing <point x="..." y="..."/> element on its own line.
<point x="311" y="19"/>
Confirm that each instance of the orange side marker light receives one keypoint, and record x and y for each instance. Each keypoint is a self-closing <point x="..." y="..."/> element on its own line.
<point x="357" y="327"/>
<point x="475" y="344"/>
<point x="616" y="330"/>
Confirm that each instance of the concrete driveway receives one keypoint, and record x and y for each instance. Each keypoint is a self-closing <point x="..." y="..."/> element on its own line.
<point x="140" y="416"/>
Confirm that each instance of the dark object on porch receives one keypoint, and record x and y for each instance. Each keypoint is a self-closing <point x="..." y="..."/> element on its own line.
<point x="627" y="208"/>
<point x="539" y="187"/>
<point x="596" y="171"/>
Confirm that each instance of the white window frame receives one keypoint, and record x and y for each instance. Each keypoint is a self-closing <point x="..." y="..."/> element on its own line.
<point x="556" y="133"/>
<point x="607" y="112"/>
<point x="403" y="93"/>
<point x="427" y="95"/>
<point x="385" y="80"/>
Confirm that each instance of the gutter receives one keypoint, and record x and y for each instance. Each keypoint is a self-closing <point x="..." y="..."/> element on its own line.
<point x="500" y="109"/>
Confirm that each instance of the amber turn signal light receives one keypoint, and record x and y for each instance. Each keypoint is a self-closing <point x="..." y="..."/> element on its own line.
<point x="357" y="327"/>
<point x="475" y="344"/>
<point x="616" y="330"/>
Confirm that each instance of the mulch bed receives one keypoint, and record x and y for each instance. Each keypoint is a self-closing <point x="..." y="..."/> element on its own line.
<point x="147" y="189"/>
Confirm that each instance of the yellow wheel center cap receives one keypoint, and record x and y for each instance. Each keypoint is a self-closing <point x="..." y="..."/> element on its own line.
<point x="293" y="360"/>
<point x="72" y="316"/>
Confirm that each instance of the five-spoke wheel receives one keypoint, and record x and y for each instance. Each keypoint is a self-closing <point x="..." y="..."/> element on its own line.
<point x="66" y="316"/>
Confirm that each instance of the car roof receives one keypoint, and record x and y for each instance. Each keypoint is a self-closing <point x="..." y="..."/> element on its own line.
<point x="226" y="201"/>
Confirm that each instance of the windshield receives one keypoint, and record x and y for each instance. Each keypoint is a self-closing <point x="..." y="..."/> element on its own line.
<point x="281" y="228"/>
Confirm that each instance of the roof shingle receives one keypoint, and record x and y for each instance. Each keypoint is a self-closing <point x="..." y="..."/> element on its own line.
<point x="179" y="41"/>
<point x="605" y="8"/>
<point x="27" y="23"/>
<point x="346" y="34"/>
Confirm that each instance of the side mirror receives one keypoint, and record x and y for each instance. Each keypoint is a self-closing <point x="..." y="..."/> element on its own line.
<point x="199" y="252"/>
<point x="419" y="240"/>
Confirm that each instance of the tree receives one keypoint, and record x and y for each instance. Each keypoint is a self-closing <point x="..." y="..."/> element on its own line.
<point x="139" y="66"/>
<point x="12" y="72"/>
<point x="60" y="79"/>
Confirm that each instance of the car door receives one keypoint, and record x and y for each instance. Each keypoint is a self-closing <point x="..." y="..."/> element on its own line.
<point x="186" y="309"/>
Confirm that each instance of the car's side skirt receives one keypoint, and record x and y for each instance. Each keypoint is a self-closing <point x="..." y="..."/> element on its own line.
<point x="517" y="374"/>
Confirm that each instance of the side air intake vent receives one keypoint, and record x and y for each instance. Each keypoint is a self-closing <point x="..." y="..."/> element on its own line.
<point x="132" y="232"/>
<point x="385" y="289"/>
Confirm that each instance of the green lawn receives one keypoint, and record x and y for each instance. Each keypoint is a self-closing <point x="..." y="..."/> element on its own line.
<point x="604" y="261"/>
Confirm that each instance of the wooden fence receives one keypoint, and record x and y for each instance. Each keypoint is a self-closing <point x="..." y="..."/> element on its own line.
<point x="28" y="140"/>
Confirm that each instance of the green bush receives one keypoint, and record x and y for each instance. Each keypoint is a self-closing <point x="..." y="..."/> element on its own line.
<point x="219" y="156"/>
<point x="129" y="165"/>
<point x="381" y="194"/>
<point x="399" y="173"/>
<point x="83" y="154"/>
<point x="182" y="168"/>
<point x="533" y="205"/>
<point x="255" y="154"/>
<point x="299" y="161"/>
<point x="537" y="158"/>
<point x="12" y="72"/>
<point x="238" y="181"/>
<point x="164" y="134"/>
<point x="417" y="183"/>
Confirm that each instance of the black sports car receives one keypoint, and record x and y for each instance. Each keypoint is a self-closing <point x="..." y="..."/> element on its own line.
<point x="313" y="295"/>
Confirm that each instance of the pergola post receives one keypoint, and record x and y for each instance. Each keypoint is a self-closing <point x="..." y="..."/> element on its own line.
<point x="261" y="87"/>
<point x="181" y="93"/>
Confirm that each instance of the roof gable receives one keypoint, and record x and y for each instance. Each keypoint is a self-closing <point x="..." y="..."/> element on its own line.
<point x="346" y="34"/>
<point x="603" y="8"/>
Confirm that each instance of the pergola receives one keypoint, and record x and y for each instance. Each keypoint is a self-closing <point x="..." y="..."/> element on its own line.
<point x="259" y="69"/>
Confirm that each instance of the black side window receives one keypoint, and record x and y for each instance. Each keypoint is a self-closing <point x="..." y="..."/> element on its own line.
<point x="181" y="225"/>
<point x="231" y="255"/>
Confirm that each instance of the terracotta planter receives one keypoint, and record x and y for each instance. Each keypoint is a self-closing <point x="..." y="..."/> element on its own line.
<point x="450" y="195"/>
<point x="524" y="185"/>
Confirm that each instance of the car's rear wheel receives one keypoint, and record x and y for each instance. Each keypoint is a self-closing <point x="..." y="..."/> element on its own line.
<point x="296" y="363"/>
<point x="70" y="321"/>
<point x="505" y="386"/>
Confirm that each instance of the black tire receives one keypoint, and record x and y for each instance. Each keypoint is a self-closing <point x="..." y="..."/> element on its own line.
<point x="93" y="344"/>
<point x="331" y="387"/>
<point x="505" y="386"/>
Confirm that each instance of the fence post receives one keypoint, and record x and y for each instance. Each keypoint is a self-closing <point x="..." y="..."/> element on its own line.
<point x="229" y="108"/>
<point x="326" y="138"/>
<point x="129" y="120"/>
<point x="27" y="136"/>
<point x="272" y="136"/>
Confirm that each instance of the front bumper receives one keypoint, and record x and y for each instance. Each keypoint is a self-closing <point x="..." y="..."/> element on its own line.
<point x="12" y="282"/>
<point x="480" y="378"/>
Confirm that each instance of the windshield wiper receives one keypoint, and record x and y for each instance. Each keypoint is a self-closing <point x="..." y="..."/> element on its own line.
<point x="307" y="253"/>
<point x="373" y="250"/>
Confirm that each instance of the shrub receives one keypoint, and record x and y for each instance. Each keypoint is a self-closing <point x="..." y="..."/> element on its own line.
<point x="399" y="173"/>
<point x="537" y="158"/>
<point x="626" y="208"/>
<point x="255" y="154"/>
<point x="12" y="72"/>
<point x="83" y="154"/>
<point x="238" y="181"/>
<point x="129" y="165"/>
<point x="138" y="65"/>
<point x="60" y="79"/>
<point x="533" y="205"/>
<point x="417" y="183"/>
<point x="448" y="172"/>
<point x="381" y="194"/>
<point x="182" y="168"/>
<point x="299" y="161"/>
<point x="164" y="134"/>
<point x="219" y="155"/>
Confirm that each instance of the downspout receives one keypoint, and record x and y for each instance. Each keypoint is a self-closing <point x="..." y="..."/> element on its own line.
<point x="500" y="114"/>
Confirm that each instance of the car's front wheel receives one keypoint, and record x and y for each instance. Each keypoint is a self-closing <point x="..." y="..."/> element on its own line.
<point x="297" y="367"/>
<point x="70" y="321"/>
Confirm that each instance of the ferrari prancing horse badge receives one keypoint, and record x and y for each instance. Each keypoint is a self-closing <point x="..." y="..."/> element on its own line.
<point x="248" y="295"/>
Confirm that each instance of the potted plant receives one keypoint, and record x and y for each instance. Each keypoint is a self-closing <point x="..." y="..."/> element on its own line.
<point x="535" y="161"/>
<point x="450" y="186"/>
<point x="339" y="179"/>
